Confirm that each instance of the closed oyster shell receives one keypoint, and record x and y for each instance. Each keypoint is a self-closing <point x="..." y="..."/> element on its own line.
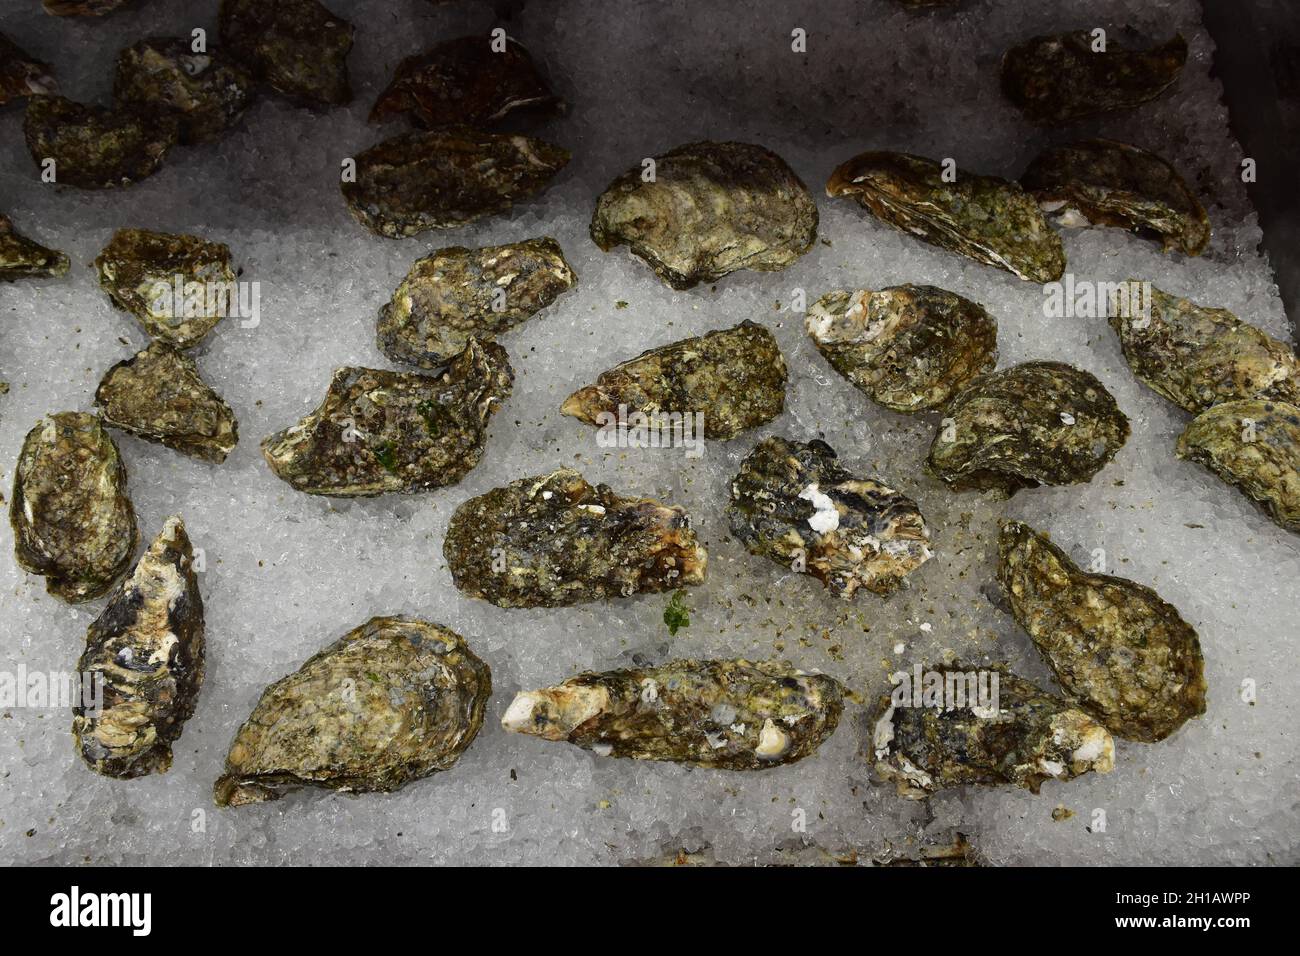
<point x="297" y="47"/>
<point x="22" y="74"/>
<point x="207" y="92"/>
<point x="21" y="258"/>
<point x="96" y="148"/>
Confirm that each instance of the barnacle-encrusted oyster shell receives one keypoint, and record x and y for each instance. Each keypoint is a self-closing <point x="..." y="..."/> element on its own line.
<point x="22" y="74"/>
<point x="1254" y="445"/>
<point x="711" y="209"/>
<point x="297" y="47"/>
<point x="736" y="377"/>
<point x="984" y="218"/>
<point x="21" y="258"/>
<point x="553" y="540"/>
<point x="147" y="646"/>
<point x="71" y="516"/>
<point x="907" y="347"/>
<point x="1038" y="423"/>
<point x="729" y="714"/>
<point x="392" y="701"/>
<point x="1124" y="654"/>
<point x="93" y="147"/>
<point x="207" y="92"/>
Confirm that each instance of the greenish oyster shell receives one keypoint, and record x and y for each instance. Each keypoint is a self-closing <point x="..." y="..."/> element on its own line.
<point x="1039" y="423"/>
<point x="985" y="218"/>
<point x="711" y="209"/>
<point x="379" y="432"/>
<point x="158" y="395"/>
<point x="1197" y="357"/>
<point x="445" y="178"/>
<point x="1254" y="445"/>
<point x="907" y="347"/>
<point x="392" y="701"/>
<point x="794" y="503"/>
<point x="1058" y="78"/>
<point x="297" y="47"/>
<point x="97" y="148"/>
<point x="148" y="648"/>
<point x="736" y="377"/>
<point x="206" y="92"/>
<point x="728" y="714"/>
<point x="1124" y="654"/>
<point x="140" y="269"/>
<point x="553" y="541"/>
<point x="464" y="81"/>
<point x="72" y="519"/>
<point x="456" y="293"/>
<point x="22" y="74"/>
<point x="21" y="258"/>
<point x="1030" y="737"/>
<point x="1105" y="183"/>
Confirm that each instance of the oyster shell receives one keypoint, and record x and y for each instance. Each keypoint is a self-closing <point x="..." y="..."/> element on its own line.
<point x="392" y="701"/>
<point x="21" y="258"/>
<point x="985" y="218"/>
<point x="297" y="47"/>
<point x="907" y="347"/>
<point x="22" y="74"/>
<point x="83" y="8"/>
<point x="1124" y="654"/>
<point x="93" y="147"/>
<point x="148" y="647"/>
<point x="207" y="93"/>
<point x="711" y="209"/>
<point x="554" y="540"/>
<point x="728" y="714"/>
<point x="794" y="503"/>
<point x="1038" y="423"/>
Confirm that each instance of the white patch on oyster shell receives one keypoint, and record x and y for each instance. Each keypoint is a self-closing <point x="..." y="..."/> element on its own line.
<point x="826" y="517"/>
<point x="772" y="741"/>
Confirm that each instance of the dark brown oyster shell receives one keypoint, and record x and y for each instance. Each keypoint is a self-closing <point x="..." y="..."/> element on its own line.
<point x="96" y="148"/>
<point x="297" y="47"/>
<point x="20" y="258"/>
<point x="207" y="92"/>
<point x="22" y="74"/>
<point x="84" y="8"/>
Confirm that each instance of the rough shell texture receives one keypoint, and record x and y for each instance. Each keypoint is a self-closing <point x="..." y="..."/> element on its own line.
<point x="1039" y="423"/>
<point x="22" y="74"/>
<point x="83" y="8"/>
<point x="736" y="377"/>
<point x="392" y="701"/>
<point x="909" y="347"/>
<point x="1124" y="654"/>
<point x="297" y="47"/>
<point x="554" y="540"/>
<point x="207" y="92"/>
<point x="148" y="647"/>
<point x="96" y="148"/>
<point x="711" y="209"/>
<point x="983" y="218"/>
<point x="20" y="258"/>
<point x="729" y="714"/>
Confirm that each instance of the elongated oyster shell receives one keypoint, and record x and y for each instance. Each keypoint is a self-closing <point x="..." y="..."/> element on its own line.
<point x="207" y="92"/>
<point x="1195" y="356"/>
<point x="908" y="347"/>
<point x="736" y="377"/>
<point x="96" y="148"/>
<point x="728" y="714"/>
<point x="148" y="647"/>
<point x="22" y="74"/>
<point x="984" y="218"/>
<point x="378" y="431"/>
<point x="554" y="540"/>
<point x="71" y="516"/>
<point x="1038" y="423"/>
<point x="297" y="47"/>
<point x="392" y="701"/>
<point x="711" y="209"/>
<point x="1254" y="445"/>
<point x="21" y="258"/>
<point x="794" y="503"/>
<point x="1115" y="646"/>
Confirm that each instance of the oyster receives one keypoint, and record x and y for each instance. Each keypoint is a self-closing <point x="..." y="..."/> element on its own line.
<point x="908" y="347"/>
<point x="158" y="395"/>
<point x="984" y="218"/>
<point x="732" y="715"/>
<point x="207" y="93"/>
<point x="1124" y="654"/>
<point x="1059" y="78"/>
<point x="711" y="209"/>
<point x="445" y="178"/>
<point x="794" y="503"/>
<point x="1197" y="357"/>
<point x="22" y="74"/>
<point x="378" y="431"/>
<point x="1039" y="423"/>
<point x="1104" y="183"/>
<point x="1027" y="737"/>
<point x="178" y="287"/>
<point x="147" y="647"/>
<point x="464" y="81"/>
<point x="1254" y="445"/>
<point x="83" y="8"/>
<point x="735" y="377"/>
<point x="297" y="47"/>
<point x="554" y="540"/>
<point x="96" y="148"/>
<point x="456" y="293"/>
<point x="71" y="516"/>
<point x="392" y="701"/>
<point x="20" y="258"/>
